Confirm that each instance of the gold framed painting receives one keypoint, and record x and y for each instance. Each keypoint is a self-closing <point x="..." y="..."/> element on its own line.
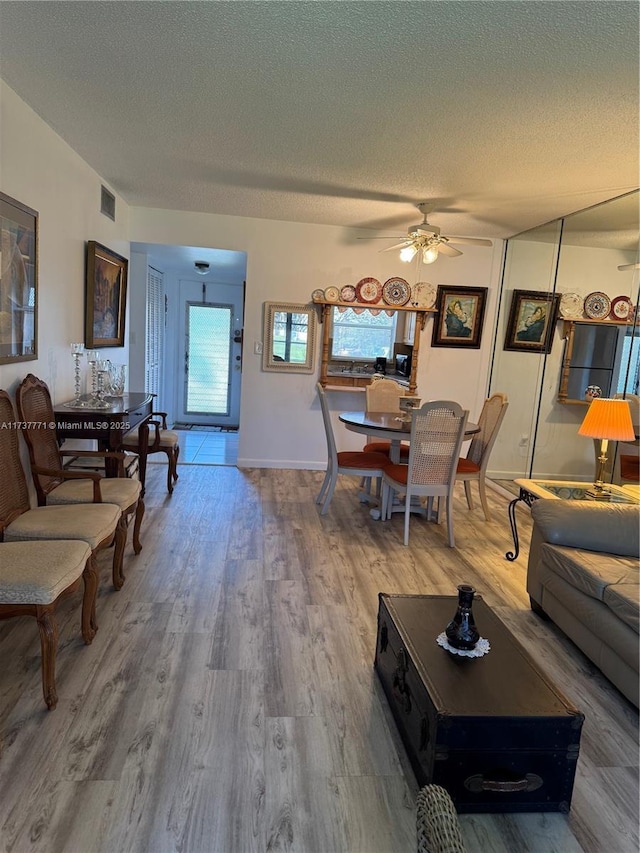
<point x="460" y="313"/>
<point x="106" y="297"/>
<point x="532" y="320"/>
<point x="18" y="281"/>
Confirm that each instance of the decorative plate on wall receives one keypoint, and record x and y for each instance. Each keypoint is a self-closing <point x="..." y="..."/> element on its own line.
<point x="597" y="305"/>
<point x="348" y="293"/>
<point x="423" y="294"/>
<point x="368" y="290"/>
<point x="621" y="308"/>
<point x="317" y="295"/>
<point x="396" y="291"/>
<point x="332" y="294"/>
<point x="571" y="306"/>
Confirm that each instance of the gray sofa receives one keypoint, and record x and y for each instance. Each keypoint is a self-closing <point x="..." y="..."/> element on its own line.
<point x="583" y="574"/>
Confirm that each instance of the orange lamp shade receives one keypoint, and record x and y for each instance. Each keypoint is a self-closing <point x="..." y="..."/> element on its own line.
<point x="608" y="419"/>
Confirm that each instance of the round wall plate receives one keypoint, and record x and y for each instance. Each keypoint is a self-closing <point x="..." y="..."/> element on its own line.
<point x="332" y="294"/>
<point x="368" y="290"/>
<point x="621" y="308"/>
<point x="597" y="305"/>
<point x="396" y="291"/>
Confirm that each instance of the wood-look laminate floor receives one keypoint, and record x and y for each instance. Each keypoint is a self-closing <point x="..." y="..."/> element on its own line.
<point x="228" y="703"/>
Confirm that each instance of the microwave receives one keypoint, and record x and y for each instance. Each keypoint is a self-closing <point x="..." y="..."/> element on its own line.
<point x="403" y="365"/>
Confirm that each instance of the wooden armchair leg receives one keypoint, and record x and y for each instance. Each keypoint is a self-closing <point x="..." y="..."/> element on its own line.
<point x="89" y="623"/>
<point x="45" y="616"/>
<point x="120" y="540"/>
<point x="137" y="545"/>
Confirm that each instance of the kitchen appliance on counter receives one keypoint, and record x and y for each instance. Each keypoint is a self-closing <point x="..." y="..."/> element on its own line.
<point x="403" y="365"/>
<point x="380" y="365"/>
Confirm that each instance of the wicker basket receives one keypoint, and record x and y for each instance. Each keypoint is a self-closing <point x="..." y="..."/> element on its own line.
<point x="437" y="824"/>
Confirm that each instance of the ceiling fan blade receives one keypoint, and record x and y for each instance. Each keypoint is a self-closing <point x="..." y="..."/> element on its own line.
<point x="635" y="266"/>
<point x="398" y="246"/>
<point x="470" y="241"/>
<point x="392" y="237"/>
<point x="446" y="249"/>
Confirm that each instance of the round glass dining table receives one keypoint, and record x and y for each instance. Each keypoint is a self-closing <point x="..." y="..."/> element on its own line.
<point x="388" y="426"/>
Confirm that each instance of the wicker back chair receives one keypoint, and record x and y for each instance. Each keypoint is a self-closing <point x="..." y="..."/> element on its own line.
<point x="437" y="433"/>
<point x="55" y="485"/>
<point x="95" y="524"/>
<point x="383" y="395"/>
<point x="474" y="466"/>
<point x="356" y="463"/>
<point x="437" y="824"/>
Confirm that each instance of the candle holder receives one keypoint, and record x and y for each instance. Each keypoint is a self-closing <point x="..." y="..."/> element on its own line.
<point x="76" y="351"/>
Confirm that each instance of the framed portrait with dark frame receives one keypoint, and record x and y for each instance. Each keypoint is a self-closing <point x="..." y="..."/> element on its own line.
<point x="106" y="297"/>
<point x="532" y="320"/>
<point x="18" y="281"/>
<point x="458" y="322"/>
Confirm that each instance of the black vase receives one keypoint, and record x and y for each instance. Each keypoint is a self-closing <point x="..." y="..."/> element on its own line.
<point x="461" y="631"/>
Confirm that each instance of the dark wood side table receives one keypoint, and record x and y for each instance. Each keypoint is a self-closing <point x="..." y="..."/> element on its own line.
<point x="109" y="426"/>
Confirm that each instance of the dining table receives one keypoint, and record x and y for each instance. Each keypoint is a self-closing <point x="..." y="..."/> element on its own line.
<point x="389" y="426"/>
<point x="392" y="427"/>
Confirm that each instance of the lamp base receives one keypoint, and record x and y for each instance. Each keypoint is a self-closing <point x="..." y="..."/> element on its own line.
<point x="596" y="494"/>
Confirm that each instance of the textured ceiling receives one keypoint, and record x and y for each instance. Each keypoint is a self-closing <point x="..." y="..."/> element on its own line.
<point x="508" y="114"/>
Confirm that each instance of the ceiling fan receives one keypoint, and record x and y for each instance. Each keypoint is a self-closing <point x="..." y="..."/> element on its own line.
<point x="426" y="238"/>
<point x="635" y="266"/>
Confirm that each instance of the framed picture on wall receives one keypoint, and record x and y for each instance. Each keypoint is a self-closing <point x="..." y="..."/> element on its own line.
<point x="532" y="320"/>
<point x="106" y="297"/>
<point x="458" y="322"/>
<point x="18" y="281"/>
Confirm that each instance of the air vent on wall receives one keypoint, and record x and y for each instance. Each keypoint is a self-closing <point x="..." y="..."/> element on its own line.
<point x="107" y="203"/>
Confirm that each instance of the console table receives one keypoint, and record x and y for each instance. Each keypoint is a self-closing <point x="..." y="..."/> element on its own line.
<point x="566" y="490"/>
<point x="108" y="426"/>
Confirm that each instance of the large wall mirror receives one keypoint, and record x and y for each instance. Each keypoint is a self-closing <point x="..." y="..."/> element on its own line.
<point x="289" y="337"/>
<point x="574" y="257"/>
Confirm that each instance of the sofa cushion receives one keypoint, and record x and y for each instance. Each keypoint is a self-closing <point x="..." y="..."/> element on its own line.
<point x="596" y="526"/>
<point x="623" y="599"/>
<point x="599" y="576"/>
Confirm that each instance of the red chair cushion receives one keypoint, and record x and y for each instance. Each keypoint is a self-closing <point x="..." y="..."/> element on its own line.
<point x="630" y="468"/>
<point x="465" y="466"/>
<point x="398" y="472"/>
<point x="358" y="459"/>
<point x="385" y="447"/>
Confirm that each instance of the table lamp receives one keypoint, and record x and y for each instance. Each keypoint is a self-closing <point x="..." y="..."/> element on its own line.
<point x="607" y="420"/>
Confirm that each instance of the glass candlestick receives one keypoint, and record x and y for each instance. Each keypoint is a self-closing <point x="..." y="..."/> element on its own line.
<point x="76" y="352"/>
<point x="93" y="357"/>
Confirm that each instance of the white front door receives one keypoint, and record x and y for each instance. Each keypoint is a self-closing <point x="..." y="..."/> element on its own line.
<point x="211" y="345"/>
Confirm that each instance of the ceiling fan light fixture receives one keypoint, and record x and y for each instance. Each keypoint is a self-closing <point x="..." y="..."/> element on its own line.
<point x="430" y="254"/>
<point x="408" y="253"/>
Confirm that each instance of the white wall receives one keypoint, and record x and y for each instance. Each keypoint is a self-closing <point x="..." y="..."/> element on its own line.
<point x="40" y="170"/>
<point x="280" y="423"/>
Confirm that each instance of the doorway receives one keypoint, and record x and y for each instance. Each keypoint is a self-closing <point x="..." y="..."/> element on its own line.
<point x="210" y="350"/>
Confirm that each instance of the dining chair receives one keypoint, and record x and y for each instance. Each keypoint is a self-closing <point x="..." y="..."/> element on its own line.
<point x="34" y="578"/>
<point x="383" y="395"/>
<point x="437" y="433"/>
<point x="474" y="465"/>
<point x="161" y="440"/>
<point x="96" y="523"/>
<point x="56" y="485"/>
<point x="357" y="463"/>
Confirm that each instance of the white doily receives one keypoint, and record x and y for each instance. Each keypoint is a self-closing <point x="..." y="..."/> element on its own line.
<point x="481" y="649"/>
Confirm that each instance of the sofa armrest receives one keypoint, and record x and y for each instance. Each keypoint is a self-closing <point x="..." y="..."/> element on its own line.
<point x="591" y="525"/>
